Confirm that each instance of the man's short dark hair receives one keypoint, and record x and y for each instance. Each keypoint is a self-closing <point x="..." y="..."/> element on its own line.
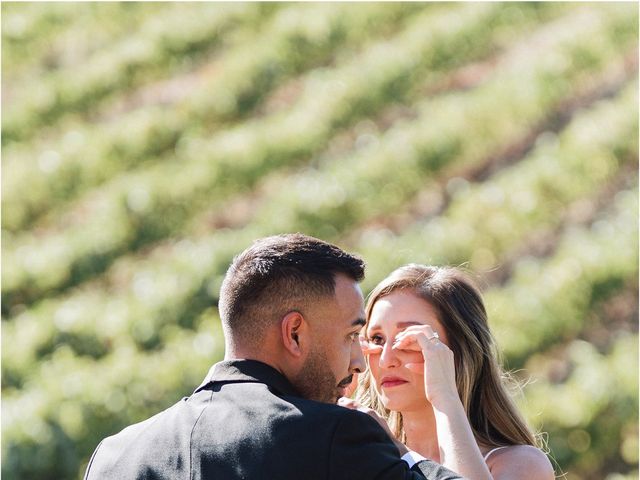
<point x="278" y="274"/>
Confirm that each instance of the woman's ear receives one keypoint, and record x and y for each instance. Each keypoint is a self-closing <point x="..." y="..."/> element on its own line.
<point x="293" y="333"/>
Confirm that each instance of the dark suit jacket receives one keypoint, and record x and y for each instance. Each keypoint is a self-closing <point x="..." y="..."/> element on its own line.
<point x="246" y="422"/>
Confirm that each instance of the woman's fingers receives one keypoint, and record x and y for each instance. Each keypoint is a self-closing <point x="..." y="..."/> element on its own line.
<point x="369" y="348"/>
<point x="351" y="388"/>
<point x="438" y="367"/>
<point x="426" y="330"/>
<point x="431" y="349"/>
<point x="348" y="403"/>
<point x="415" y="337"/>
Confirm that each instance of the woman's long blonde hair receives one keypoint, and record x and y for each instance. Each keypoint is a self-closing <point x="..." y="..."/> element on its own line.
<point x="482" y="385"/>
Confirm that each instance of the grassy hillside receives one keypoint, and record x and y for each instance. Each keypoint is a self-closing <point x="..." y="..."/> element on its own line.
<point x="144" y="144"/>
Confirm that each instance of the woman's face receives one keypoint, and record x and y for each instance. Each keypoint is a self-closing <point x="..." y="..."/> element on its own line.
<point x="399" y="388"/>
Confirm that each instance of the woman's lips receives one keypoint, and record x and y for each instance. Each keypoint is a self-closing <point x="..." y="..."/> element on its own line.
<point x="392" y="382"/>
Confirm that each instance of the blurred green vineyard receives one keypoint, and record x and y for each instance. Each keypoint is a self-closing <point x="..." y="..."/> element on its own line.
<point x="144" y="144"/>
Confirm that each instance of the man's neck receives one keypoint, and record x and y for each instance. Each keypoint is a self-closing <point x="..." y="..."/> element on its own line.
<point x="232" y="352"/>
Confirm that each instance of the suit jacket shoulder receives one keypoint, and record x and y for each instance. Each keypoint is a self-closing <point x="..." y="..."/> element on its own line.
<point x="358" y="436"/>
<point x="161" y="442"/>
<point x="246" y="421"/>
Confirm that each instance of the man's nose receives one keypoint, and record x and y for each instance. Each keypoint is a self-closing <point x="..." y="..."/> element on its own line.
<point x="357" y="364"/>
<point x="388" y="357"/>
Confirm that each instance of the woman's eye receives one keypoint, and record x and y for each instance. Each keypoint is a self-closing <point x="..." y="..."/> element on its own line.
<point x="376" y="340"/>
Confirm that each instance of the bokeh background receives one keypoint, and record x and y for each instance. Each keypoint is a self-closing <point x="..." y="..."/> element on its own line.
<point x="144" y="144"/>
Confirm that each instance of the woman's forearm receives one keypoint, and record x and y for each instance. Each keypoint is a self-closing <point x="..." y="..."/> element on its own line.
<point x="458" y="448"/>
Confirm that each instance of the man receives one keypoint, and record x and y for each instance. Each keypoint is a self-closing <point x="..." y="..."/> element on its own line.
<point x="291" y="311"/>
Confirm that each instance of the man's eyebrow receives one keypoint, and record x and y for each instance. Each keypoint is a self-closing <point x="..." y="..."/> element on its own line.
<point x="360" y="322"/>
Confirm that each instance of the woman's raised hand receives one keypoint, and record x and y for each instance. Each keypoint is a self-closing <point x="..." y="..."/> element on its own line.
<point x="367" y="347"/>
<point x="438" y="367"/>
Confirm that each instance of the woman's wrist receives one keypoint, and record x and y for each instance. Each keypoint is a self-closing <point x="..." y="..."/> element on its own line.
<point x="459" y="450"/>
<point x="447" y="404"/>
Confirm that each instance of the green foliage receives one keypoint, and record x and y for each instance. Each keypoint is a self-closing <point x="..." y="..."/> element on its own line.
<point x="145" y="144"/>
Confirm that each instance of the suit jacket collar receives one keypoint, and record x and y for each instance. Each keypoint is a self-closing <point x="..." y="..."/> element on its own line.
<point x="235" y="371"/>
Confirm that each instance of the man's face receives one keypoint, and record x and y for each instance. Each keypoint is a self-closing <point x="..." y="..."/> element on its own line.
<point x="335" y="353"/>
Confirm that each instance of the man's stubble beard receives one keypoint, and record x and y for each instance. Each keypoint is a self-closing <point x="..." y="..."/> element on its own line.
<point x="315" y="380"/>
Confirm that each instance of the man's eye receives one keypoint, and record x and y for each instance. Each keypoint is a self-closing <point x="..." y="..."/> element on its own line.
<point x="354" y="336"/>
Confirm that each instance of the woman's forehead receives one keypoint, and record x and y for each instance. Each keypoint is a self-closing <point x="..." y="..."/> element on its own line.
<point x="401" y="309"/>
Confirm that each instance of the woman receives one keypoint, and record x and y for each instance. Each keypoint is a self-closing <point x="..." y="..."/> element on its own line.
<point x="434" y="375"/>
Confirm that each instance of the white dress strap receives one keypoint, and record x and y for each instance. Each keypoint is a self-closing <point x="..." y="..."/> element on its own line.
<point x="491" y="451"/>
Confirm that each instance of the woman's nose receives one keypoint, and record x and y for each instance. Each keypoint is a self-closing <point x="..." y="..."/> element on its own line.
<point x="388" y="357"/>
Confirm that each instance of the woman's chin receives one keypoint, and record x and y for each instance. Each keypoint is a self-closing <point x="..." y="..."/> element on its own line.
<point x="395" y="403"/>
<point x="403" y="403"/>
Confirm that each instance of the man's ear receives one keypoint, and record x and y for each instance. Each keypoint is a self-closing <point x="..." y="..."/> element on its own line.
<point x="293" y="332"/>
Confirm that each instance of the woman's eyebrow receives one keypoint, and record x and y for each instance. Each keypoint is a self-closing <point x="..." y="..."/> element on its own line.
<point x="399" y="325"/>
<point x="408" y="324"/>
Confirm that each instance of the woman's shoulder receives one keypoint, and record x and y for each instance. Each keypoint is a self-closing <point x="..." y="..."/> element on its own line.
<point x="520" y="461"/>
